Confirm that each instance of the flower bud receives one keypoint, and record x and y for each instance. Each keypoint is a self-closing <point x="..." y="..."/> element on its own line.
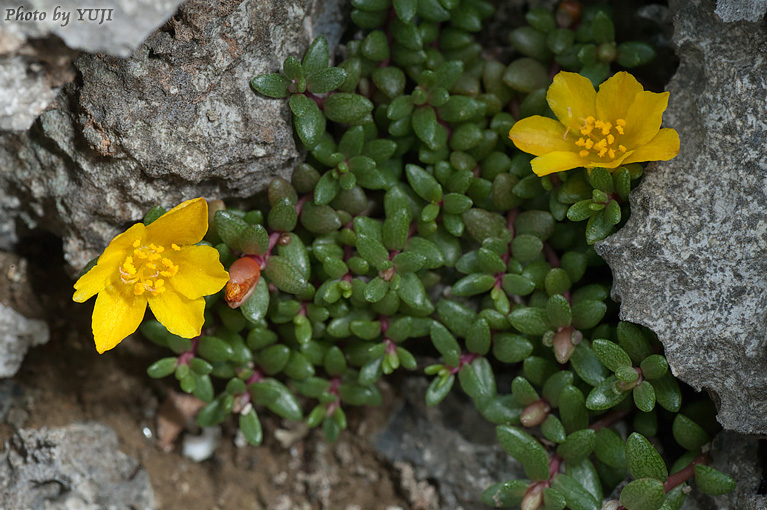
<point x="535" y="414"/>
<point x="243" y="277"/>
<point x="607" y="52"/>
<point x="568" y="13"/>
<point x="563" y="345"/>
<point x="533" y="499"/>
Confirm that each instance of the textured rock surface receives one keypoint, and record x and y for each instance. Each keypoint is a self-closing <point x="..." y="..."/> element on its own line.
<point x="20" y="327"/>
<point x="691" y="262"/>
<point x="737" y="456"/>
<point x="175" y="120"/>
<point x="75" y="467"/>
<point x="451" y="444"/>
<point x="741" y="10"/>
<point x="38" y="42"/>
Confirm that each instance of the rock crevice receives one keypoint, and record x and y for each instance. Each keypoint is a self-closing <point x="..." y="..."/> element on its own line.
<point x="691" y="261"/>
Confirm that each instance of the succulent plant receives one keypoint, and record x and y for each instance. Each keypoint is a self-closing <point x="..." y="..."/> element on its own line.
<point x="414" y="217"/>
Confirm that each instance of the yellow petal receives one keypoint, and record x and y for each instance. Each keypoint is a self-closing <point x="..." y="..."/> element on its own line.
<point x="556" y="162"/>
<point x="643" y="118"/>
<point x="107" y="270"/>
<point x="572" y="98"/>
<point x="595" y="161"/>
<point x="199" y="272"/>
<point x="181" y="316"/>
<point x="540" y="135"/>
<point x="616" y="95"/>
<point x="184" y="224"/>
<point x="117" y="314"/>
<point x="663" y="147"/>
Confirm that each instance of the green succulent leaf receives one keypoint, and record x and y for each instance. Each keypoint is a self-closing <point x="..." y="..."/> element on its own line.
<point x="505" y="494"/>
<point x="577" y="497"/>
<point x="577" y="446"/>
<point x="643" y="494"/>
<point x="526" y="449"/>
<point x="609" y="448"/>
<point x="606" y="395"/>
<point x="643" y="459"/>
<point x="271" y="85"/>
<point x="713" y="482"/>
<point x="688" y="433"/>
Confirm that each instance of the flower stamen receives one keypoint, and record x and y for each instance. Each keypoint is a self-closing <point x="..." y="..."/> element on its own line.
<point x="604" y="145"/>
<point x="145" y="276"/>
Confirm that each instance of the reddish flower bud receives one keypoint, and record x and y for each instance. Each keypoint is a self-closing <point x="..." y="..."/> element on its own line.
<point x="563" y="344"/>
<point x="533" y="498"/>
<point x="535" y="414"/>
<point x="568" y="13"/>
<point x="243" y="277"/>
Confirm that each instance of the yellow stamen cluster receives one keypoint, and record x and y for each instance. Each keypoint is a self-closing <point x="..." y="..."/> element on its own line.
<point x="598" y="136"/>
<point x="146" y="268"/>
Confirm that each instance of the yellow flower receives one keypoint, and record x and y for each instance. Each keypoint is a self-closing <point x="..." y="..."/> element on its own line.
<point x="157" y="264"/>
<point x="618" y="125"/>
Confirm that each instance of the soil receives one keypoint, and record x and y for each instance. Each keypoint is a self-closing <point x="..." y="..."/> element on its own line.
<point x="66" y="381"/>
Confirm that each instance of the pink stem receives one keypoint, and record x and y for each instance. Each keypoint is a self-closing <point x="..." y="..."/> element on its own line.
<point x="185" y="357"/>
<point x="682" y="476"/>
<point x="464" y="359"/>
<point x="608" y="419"/>
<point x="301" y="202"/>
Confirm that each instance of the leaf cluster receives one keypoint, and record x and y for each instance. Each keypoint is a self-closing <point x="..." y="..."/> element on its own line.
<point x="415" y="237"/>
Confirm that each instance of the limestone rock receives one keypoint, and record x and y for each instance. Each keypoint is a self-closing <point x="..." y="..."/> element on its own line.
<point x="78" y="466"/>
<point x="18" y="335"/>
<point x="175" y="120"/>
<point x="39" y="40"/>
<point x="451" y="444"/>
<point x="20" y="327"/>
<point x="741" y="10"/>
<point x="691" y="262"/>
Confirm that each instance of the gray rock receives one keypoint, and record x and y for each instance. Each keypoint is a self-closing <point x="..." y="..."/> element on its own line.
<point x="450" y="444"/>
<point x="20" y="328"/>
<point x="38" y="39"/>
<point x="691" y="262"/>
<point x="737" y="456"/>
<point x="17" y="335"/>
<point x="74" y="467"/>
<point x="113" y="27"/>
<point x="741" y="10"/>
<point x="174" y="121"/>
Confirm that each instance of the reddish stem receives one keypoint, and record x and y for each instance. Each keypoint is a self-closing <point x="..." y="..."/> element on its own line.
<point x="301" y="202"/>
<point x="608" y="419"/>
<point x="554" y="463"/>
<point x="446" y="125"/>
<point x="273" y="238"/>
<point x="185" y="357"/>
<point x="682" y="476"/>
<point x="391" y="16"/>
<point x="256" y="377"/>
<point x="551" y="256"/>
<point x="464" y="359"/>
<point x="384" y="320"/>
<point x="317" y="99"/>
<point x="335" y="384"/>
<point x="511" y="217"/>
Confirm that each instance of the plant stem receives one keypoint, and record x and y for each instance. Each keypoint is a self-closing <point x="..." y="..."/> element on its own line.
<point x="608" y="419"/>
<point x="685" y="474"/>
